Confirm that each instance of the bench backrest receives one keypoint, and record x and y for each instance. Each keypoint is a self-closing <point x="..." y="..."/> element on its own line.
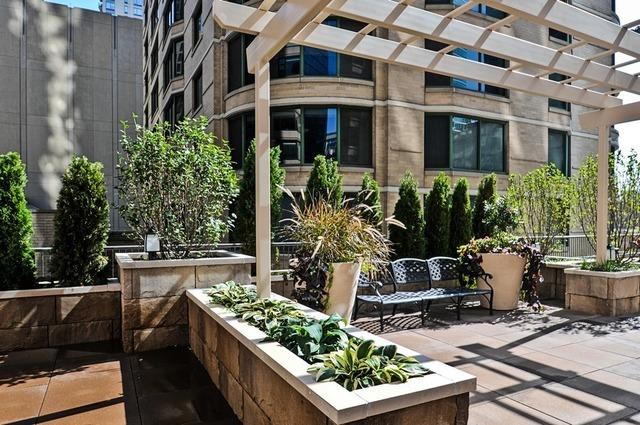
<point x="410" y="271"/>
<point x="444" y="268"/>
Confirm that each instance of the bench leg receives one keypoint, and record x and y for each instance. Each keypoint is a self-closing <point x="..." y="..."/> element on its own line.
<point x="381" y="317"/>
<point x="491" y="304"/>
<point x="395" y="306"/>
<point x="459" y="307"/>
<point x="422" y="312"/>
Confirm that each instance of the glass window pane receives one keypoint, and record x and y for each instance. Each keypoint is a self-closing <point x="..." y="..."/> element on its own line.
<point x="464" y="141"/>
<point x="462" y="83"/>
<point x="436" y="150"/>
<point x="320" y="133"/>
<point x="248" y="77"/>
<point x="492" y="146"/>
<point x="287" y="62"/>
<point x="355" y="136"/>
<point x="353" y="67"/>
<point x="558" y="154"/>
<point x="320" y="62"/>
<point x="234" y="63"/>
<point x="285" y="132"/>
<point x="235" y="140"/>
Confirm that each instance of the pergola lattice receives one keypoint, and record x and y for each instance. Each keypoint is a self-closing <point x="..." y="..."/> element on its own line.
<point x="589" y="83"/>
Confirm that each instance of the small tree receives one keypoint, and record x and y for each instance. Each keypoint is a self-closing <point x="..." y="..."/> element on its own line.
<point x="177" y="184"/>
<point x="369" y="195"/>
<point x="245" y="206"/>
<point x="460" y="231"/>
<point x="437" y="216"/>
<point x="325" y="181"/>
<point x="486" y="195"/>
<point x="543" y="199"/>
<point x="81" y="224"/>
<point x="17" y="260"/>
<point x="408" y="241"/>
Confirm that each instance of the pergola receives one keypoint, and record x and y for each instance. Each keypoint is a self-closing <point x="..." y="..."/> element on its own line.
<point x="589" y="83"/>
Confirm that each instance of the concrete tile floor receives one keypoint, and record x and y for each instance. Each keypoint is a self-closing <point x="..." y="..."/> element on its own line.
<point x="97" y="384"/>
<point x="553" y="367"/>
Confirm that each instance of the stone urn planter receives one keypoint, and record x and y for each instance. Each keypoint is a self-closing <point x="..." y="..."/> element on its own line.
<point x="342" y="286"/>
<point x="603" y="293"/>
<point x="154" y="307"/>
<point x="507" y="271"/>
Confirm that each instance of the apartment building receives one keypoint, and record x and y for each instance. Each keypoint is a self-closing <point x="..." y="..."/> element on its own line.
<point x="67" y="78"/>
<point x="129" y="8"/>
<point x="369" y="116"/>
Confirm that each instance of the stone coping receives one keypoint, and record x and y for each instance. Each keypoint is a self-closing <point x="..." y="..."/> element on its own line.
<point x="132" y="260"/>
<point x="560" y="265"/>
<point x="338" y="404"/>
<point x="52" y="292"/>
<point x="610" y="275"/>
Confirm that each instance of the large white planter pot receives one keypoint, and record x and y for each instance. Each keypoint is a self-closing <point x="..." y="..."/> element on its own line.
<point x="342" y="286"/>
<point x="507" y="271"/>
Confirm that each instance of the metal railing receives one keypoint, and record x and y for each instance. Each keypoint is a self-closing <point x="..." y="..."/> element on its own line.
<point x="281" y="252"/>
<point x="572" y="246"/>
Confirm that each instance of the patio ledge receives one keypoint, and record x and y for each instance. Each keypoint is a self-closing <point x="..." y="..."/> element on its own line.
<point x="612" y="275"/>
<point x="134" y="260"/>
<point x="48" y="292"/>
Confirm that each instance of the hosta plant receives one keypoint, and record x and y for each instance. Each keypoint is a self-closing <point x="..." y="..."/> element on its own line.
<point x="229" y="294"/>
<point x="361" y="364"/>
<point x="267" y="314"/>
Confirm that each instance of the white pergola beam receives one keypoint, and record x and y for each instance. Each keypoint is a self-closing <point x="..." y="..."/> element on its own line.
<point x="426" y="24"/>
<point x="573" y="20"/>
<point x="611" y="116"/>
<point x="238" y="17"/>
<point x="287" y="22"/>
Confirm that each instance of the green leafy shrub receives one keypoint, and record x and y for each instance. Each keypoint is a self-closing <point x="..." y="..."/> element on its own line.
<point x="500" y="216"/>
<point x="543" y="198"/>
<point x="325" y="182"/>
<point x="500" y="243"/>
<point x="81" y="225"/>
<point x="437" y="217"/>
<point x="369" y="195"/>
<point x="486" y="195"/>
<point x="460" y="230"/>
<point x="177" y="183"/>
<point x="267" y="314"/>
<point x="609" y="266"/>
<point x="245" y="206"/>
<point x="229" y="294"/>
<point x="408" y="239"/>
<point x="17" y="259"/>
<point x="361" y="364"/>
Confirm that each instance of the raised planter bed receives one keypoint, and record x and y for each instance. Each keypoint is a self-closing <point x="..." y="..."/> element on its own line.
<point x="554" y="285"/>
<point x="51" y="317"/>
<point x="266" y="383"/>
<point x="154" y="309"/>
<point x="603" y="293"/>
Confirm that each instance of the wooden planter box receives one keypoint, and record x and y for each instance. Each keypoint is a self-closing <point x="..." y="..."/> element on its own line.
<point x="603" y="293"/>
<point x="51" y="317"/>
<point x="267" y="384"/>
<point x="154" y="308"/>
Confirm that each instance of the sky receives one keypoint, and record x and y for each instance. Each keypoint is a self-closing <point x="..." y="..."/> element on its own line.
<point x="627" y="10"/>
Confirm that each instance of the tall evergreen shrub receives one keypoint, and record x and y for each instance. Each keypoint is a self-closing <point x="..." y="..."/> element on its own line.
<point x="17" y="260"/>
<point x="486" y="195"/>
<point x="437" y="217"/>
<point x="460" y="229"/>
<point x="408" y="242"/>
<point x="369" y="195"/>
<point x="325" y="181"/>
<point x="81" y="225"/>
<point x="245" y="206"/>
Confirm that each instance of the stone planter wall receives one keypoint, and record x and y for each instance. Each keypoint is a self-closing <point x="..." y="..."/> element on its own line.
<point x="264" y="383"/>
<point x="603" y="293"/>
<point x="39" y="318"/>
<point x="154" y="308"/>
<point x="554" y="285"/>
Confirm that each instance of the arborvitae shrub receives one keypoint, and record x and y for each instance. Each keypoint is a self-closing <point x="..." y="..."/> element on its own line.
<point x="370" y="195"/>
<point x="486" y="195"/>
<point x="325" y="181"/>
<point x="17" y="260"/>
<point x="437" y="217"/>
<point x="81" y="225"/>
<point x="408" y="242"/>
<point x="245" y="206"/>
<point x="460" y="231"/>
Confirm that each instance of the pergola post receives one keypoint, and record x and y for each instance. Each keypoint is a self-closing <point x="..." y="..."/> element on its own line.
<point x="263" y="180"/>
<point x="602" y="209"/>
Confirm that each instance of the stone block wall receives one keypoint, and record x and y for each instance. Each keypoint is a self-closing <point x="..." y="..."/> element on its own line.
<point x="260" y="396"/>
<point x="553" y="287"/>
<point x="51" y="318"/>
<point x="604" y="294"/>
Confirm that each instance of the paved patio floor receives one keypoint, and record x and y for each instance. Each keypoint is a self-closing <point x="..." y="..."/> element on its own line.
<point x="97" y="384"/>
<point x="554" y="367"/>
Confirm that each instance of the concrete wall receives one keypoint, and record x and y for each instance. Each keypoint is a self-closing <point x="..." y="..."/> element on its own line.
<point x="67" y="78"/>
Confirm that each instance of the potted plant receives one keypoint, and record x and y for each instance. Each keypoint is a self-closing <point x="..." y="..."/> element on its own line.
<point x="336" y="241"/>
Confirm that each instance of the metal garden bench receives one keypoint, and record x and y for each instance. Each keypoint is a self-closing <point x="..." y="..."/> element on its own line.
<point x="422" y="273"/>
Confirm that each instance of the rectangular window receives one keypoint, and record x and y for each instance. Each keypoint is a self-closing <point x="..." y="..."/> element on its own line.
<point x="465" y="143"/>
<point x="174" y="61"/>
<point x="480" y="8"/>
<point x="287" y="62"/>
<point x="558" y="150"/>
<point x="174" y="111"/>
<point x="197" y="24"/>
<point x="286" y="132"/>
<point x="154" y="59"/>
<point x="197" y="90"/>
<point x="237" y="73"/>
<point x="154" y="99"/>
<point x="356" y="126"/>
<point x="559" y="104"/>
<point x="320" y="133"/>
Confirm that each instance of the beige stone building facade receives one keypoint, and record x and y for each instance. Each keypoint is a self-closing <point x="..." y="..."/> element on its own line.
<point x="371" y="117"/>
